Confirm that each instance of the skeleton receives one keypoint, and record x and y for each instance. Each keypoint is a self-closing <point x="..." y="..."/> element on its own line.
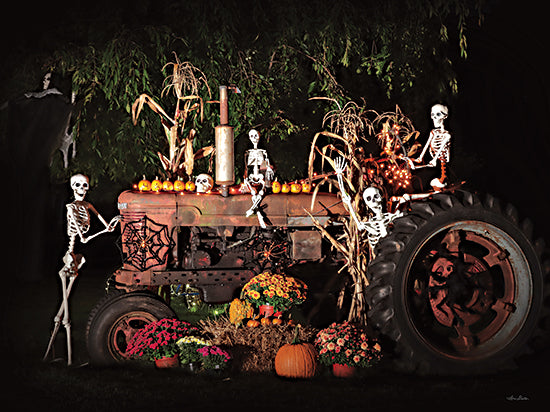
<point x="377" y="225"/>
<point x="204" y="183"/>
<point x="78" y="224"/>
<point x="438" y="145"/>
<point x="255" y="181"/>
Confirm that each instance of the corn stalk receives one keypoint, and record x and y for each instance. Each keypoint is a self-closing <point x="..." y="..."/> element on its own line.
<point x="349" y="127"/>
<point x="185" y="81"/>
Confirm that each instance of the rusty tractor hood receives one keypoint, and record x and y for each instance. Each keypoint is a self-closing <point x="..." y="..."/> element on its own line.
<point x="212" y="209"/>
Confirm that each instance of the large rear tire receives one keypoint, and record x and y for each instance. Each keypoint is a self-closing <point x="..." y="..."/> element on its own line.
<point x="457" y="286"/>
<point x="115" y="320"/>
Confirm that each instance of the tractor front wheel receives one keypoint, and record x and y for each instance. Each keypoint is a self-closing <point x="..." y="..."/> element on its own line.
<point x="116" y="319"/>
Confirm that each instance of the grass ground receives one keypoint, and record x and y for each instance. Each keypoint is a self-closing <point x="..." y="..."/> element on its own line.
<point x="27" y="314"/>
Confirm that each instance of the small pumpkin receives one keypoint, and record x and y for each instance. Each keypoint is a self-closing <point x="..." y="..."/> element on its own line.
<point x="253" y="323"/>
<point x="277" y="321"/>
<point x="144" y="185"/>
<point x="156" y="185"/>
<point x="190" y="186"/>
<point x="306" y="187"/>
<point x="179" y="185"/>
<point x="276" y="187"/>
<point x="295" y="187"/>
<point x="265" y="321"/>
<point x="296" y="359"/>
<point x="285" y="188"/>
<point x="167" y="186"/>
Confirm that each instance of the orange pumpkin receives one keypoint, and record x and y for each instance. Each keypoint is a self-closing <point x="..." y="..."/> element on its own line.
<point x="285" y="188"/>
<point x="265" y="321"/>
<point x="253" y="323"/>
<point x="179" y="186"/>
<point x="156" y="185"/>
<point x="295" y="187"/>
<point x="306" y="187"/>
<point x="144" y="185"/>
<point x="167" y="186"/>
<point x="276" y="187"/>
<point x="277" y="321"/>
<point x="296" y="359"/>
<point x="190" y="186"/>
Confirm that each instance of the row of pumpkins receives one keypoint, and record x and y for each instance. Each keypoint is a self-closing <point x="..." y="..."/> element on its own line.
<point x="157" y="185"/>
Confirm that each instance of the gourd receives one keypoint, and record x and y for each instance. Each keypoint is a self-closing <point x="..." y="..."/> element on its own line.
<point x="296" y="359"/>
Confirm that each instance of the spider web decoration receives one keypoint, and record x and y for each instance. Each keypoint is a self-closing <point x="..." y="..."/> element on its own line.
<point x="147" y="243"/>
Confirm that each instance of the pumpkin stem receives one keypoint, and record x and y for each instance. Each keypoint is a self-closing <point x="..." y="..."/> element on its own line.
<point x="296" y="339"/>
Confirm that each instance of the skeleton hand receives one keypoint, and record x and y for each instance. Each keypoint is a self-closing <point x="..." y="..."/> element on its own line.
<point x="114" y="221"/>
<point x="340" y="165"/>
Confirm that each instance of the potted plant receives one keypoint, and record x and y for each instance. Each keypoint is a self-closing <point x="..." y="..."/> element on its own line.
<point x="188" y="354"/>
<point x="157" y="341"/>
<point x="213" y="357"/>
<point x="345" y="346"/>
<point x="277" y="292"/>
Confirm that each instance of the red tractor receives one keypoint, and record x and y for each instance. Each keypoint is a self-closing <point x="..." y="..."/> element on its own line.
<point x="457" y="286"/>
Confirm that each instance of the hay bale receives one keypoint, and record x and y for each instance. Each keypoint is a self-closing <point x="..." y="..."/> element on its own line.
<point x="254" y="349"/>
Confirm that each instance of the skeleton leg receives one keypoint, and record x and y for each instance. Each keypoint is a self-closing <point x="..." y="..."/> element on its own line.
<point x="66" y="320"/>
<point x="58" y="317"/>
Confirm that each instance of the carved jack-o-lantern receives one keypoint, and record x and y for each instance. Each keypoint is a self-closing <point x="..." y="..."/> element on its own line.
<point x="285" y="188"/>
<point x="156" y="185"/>
<point x="179" y="185"/>
<point x="306" y="187"/>
<point x="276" y="187"/>
<point x="295" y="187"/>
<point x="167" y="186"/>
<point x="144" y="185"/>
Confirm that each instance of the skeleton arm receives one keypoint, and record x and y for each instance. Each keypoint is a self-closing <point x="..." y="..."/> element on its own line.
<point x="339" y="167"/>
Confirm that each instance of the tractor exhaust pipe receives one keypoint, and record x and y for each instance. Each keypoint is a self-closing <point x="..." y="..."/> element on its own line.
<point x="225" y="152"/>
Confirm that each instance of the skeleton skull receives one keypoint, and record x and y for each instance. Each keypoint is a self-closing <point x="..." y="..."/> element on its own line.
<point x="204" y="183"/>
<point x="373" y="199"/>
<point x="80" y="185"/>
<point x="439" y="113"/>
<point x="46" y="81"/>
<point x="254" y="137"/>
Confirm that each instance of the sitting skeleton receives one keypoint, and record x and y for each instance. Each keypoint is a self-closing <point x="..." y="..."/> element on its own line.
<point x="377" y="225"/>
<point x="438" y="144"/>
<point x="259" y="175"/>
<point x="78" y="224"/>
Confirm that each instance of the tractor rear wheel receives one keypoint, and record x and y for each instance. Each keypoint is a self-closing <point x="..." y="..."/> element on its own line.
<point x="457" y="286"/>
<point x="116" y="319"/>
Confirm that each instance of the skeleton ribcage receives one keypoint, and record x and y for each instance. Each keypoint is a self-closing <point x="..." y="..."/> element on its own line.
<point x="77" y="218"/>
<point x="440" y="141"/>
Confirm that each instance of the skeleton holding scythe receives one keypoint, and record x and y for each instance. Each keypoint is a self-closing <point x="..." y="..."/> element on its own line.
<point x="78" y="224"/>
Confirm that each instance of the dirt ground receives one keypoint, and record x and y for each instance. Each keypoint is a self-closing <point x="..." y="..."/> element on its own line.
<point x="27" y="319"/>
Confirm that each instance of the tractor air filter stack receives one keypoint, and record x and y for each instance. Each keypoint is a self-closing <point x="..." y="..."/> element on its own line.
<point x="225" y="163"/>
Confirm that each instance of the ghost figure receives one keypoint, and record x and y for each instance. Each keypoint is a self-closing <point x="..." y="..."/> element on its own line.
<point x="376" y="225"/>
<point x="259" y="175"/>
<point x="204" y="183"/>
<point x="78" y="224"/>
<point x="438" y="144"/>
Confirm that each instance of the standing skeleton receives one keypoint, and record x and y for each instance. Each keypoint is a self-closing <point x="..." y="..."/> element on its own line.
<point x="78" y="224"/>
<point x="377" y="225"/>
<point x="438" y="144"/>
<point x="255" y="181"/>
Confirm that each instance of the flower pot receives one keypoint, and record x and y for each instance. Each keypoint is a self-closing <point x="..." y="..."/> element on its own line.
<point x="167" y="362"/>
<point x="266" y="310"/>
<point x="343" y="371"/>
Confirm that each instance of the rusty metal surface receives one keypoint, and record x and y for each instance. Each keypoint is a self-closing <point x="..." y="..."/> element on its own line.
<point x="192" y="209"/>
